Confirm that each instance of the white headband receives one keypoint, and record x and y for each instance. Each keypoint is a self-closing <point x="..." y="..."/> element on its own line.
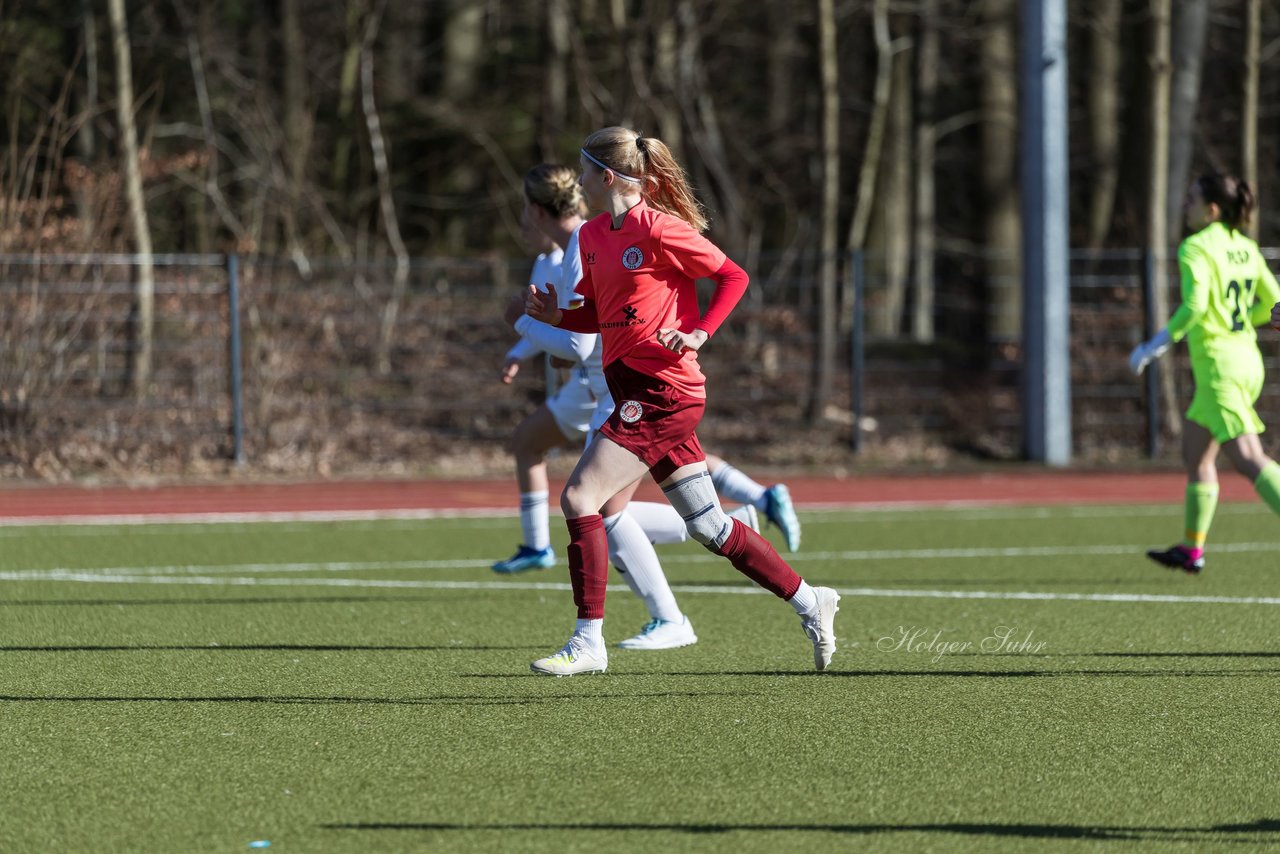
<point x="623" y="175"/>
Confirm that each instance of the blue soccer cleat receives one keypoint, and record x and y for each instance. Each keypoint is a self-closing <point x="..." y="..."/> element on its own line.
<point x="779" y="510"/>
<point x="526" y="558"/>
<point x="662" y="634"/>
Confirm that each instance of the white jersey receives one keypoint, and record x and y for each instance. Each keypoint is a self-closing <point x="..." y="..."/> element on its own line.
<point x="546" y="268"/>
<point x="585" y="348"/>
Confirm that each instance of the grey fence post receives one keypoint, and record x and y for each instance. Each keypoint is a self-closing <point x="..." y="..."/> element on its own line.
<point x="237" y="384"/>
<point x="1153" y="370"/>
<point x="857" y="353"/>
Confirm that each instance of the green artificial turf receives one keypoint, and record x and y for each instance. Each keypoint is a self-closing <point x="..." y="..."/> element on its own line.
<point x="365" y="687"/>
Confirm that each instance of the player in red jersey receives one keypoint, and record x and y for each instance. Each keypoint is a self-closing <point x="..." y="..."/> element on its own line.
<point x="640" y="260"/>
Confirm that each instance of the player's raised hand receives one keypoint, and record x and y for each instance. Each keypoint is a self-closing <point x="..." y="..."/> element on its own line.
<point x="542" y="306"/>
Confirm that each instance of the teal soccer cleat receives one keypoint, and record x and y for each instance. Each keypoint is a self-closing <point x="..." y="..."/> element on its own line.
<point x="779" y="510"/>
<point x="526" y="558"/>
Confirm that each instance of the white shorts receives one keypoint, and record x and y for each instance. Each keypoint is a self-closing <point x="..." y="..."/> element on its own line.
<point x="603" y="409"/>
<point x="574" y="407"/>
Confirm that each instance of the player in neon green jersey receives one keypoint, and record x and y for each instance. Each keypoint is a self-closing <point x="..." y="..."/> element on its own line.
<point x="1227" y="290"/>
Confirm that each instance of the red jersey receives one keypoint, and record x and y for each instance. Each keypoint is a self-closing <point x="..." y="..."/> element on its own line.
<point x="639" y="278"/>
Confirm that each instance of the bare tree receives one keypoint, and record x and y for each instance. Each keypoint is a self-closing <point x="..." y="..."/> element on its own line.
<point x="696" y="96"/>
<point x="828" y="266"/>
<point x="86" y="139"/>
<point x="871" y="153"/>
<point x="924" y="220"/>
<point x="1104" y="117"/>
<point x="298" y="126"/>
<point x="463" y="50"/>
<point x="390" y="220"/>
<point x="891" y="224"/>
<point x="556" y="92"/>
<point x="1002" y="224"/>
<point x="1189" y="26"/>
<point x="1160" y="68"/>
<point x="1249" y="119"/>
<point x="464" y="55"/>
<point x="211" y="186"/>
<point x="782" y="47"/>
<point x="145" y="288"/>
<point x="347" y="82"/>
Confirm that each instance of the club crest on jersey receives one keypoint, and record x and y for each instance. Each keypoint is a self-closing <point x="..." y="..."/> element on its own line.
<point x="632" y="257"/>
<point x="630" y="411"/>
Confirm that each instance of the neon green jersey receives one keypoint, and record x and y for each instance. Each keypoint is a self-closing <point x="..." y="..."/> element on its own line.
<point x="1227" y="289"/>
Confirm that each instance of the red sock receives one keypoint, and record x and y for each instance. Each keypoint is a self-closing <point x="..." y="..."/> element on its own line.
<point x="753" y="556"/>
<point x="588" y="565"/>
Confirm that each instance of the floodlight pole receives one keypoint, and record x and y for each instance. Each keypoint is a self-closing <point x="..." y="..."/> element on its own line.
<point x="1046" y="356"/>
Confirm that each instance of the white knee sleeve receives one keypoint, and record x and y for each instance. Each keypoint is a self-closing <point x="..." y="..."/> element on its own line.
<point x="695" y="500"/>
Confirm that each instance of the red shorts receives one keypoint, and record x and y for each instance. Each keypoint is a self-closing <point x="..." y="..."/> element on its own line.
<point x="653" y="420"/>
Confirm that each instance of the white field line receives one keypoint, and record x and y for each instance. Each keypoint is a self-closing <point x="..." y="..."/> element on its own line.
<point x="822" y="513"/>
<point x="219" y="527"/>
<point x="255" y="581"/>
<point x="471" y="563"/>
<point x="131" y="523"/>
<point x="266" y="568"/>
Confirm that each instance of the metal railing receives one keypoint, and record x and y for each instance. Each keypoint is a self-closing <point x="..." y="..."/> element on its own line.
<point x="256" y="362"/>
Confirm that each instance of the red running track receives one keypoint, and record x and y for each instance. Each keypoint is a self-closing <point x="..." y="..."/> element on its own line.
<point x="1019" y="487"/>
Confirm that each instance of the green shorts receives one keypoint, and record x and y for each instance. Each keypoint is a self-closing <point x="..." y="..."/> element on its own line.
<point x="1226" y="389"/>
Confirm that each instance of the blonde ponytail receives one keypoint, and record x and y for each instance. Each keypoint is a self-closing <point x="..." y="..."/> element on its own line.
<point x="647" y="161"/>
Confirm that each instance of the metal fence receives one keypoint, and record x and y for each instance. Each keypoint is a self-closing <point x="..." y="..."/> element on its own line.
<point x="289" y="371"/>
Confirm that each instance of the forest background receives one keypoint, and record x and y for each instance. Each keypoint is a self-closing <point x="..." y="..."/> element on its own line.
<point x="307" y="137"/>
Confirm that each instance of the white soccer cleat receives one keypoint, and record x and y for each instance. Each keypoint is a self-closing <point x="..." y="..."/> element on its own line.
<point x="662" y="634"/>
<point x="576" y="657"/>
<point x="747" y="515"/>
<point x="820" y="626"/>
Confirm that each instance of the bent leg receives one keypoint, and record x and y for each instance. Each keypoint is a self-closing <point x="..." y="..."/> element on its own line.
<point x="773" y="501"/>
<point x="1249" y="458"/>
<point x="690" y="491"/>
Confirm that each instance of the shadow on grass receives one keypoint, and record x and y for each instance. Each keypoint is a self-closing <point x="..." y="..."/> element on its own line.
<point x="993" y="583"/>
<point x="1263" y="830"/>
<point x="372" y="701"/>
<point x="941" y="674"/>
<point x="1178" y="654"/>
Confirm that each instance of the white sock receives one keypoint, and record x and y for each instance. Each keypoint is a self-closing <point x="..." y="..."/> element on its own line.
<point x="660" y="521"/>
<point x="533" y="519"/>
<point x="805" y="601"/>
<point x="591" y="631"/>
<point x="631" y="551"/>
<point x="736" y="486"/>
